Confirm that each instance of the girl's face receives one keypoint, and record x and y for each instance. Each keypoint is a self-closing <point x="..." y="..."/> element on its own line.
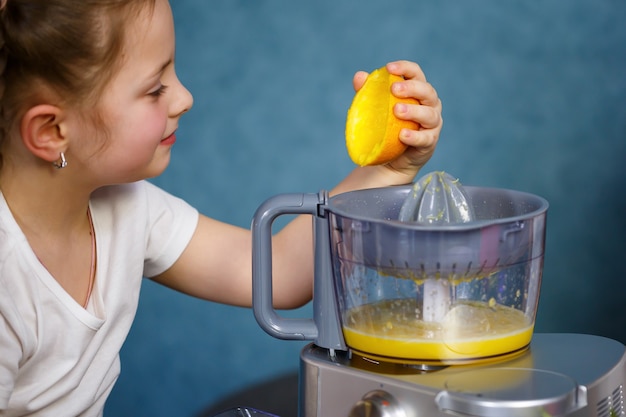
<point x="141" y="106"/>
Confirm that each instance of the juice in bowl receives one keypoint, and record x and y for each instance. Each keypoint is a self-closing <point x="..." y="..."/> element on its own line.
<point x="479" y="319"/>
<point x="437" y="294"/>
<point x="385" y="336"/>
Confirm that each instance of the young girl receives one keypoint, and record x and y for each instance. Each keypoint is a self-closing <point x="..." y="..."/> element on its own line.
<point x="89" y="108"/>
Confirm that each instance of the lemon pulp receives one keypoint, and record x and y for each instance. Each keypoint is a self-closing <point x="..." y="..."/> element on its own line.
<point x="470" y="329"/>
<point x="372" y="129"/>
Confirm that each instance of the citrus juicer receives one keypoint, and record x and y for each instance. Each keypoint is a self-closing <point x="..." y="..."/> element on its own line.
<point x="424" y="305"/>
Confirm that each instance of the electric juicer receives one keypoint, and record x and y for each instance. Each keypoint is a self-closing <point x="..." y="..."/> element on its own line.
<point x="424" y="304"/>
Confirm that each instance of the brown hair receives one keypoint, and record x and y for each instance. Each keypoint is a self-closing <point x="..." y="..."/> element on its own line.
<point x="63" y="50"/>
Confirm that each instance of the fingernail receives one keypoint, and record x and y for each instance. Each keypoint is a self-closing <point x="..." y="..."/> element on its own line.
<point x="398" y="87"/>
<point x="401" y="108"/>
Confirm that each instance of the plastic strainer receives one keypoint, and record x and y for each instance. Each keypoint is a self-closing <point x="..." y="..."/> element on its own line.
<point x="437" y="198"/>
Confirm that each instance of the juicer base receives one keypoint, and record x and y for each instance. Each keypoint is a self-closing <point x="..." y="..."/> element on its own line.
<point x="560" y="375"/>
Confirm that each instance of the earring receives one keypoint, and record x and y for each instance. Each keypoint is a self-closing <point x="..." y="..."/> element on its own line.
<point x="61" y="163"/>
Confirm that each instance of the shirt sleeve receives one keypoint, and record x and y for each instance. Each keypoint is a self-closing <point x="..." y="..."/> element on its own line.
<point x="171" y="222"/>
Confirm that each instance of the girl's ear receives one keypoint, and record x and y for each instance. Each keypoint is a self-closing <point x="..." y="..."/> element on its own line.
<point x="43" y="132"/>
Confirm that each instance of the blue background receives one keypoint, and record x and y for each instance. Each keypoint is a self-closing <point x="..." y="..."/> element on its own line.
<point x="534" y="97"/>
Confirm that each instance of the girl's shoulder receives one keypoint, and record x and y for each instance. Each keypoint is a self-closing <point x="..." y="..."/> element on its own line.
<point x="139" y="197"/>
<point x="140" y="192"/>
<point x="119" y="193"/>
<point x="139" y="205"/>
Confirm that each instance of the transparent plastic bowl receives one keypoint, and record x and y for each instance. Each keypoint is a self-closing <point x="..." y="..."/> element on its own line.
<point x="445" y="293"/>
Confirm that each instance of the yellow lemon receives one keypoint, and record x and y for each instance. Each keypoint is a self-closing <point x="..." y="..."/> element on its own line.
<point x="372" y="130"/>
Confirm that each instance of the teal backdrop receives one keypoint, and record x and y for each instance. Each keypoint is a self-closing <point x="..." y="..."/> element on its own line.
<point x="534" y="96"/>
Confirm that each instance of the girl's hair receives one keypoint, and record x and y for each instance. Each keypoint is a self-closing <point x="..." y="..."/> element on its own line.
<point x="59" y="50"/>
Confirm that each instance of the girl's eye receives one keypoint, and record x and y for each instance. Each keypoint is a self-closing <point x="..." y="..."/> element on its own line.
<point x="159" y="91"/>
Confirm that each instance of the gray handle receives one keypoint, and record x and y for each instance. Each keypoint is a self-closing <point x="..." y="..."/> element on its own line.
<point x="262" y="304"/>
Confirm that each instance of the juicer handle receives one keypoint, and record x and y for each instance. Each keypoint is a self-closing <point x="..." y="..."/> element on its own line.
<point x="262" y="303"/>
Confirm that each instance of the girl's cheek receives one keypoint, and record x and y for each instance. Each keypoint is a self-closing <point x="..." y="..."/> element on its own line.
<point x="156" y="124"/>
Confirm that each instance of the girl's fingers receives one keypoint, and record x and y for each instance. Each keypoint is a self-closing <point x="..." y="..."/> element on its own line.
<point x="428" y="117"/>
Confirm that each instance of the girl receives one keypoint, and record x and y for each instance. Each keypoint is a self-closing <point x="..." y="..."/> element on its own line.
<point x="90" y="104"/>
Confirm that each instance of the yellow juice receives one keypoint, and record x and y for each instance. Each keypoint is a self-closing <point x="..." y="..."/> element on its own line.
<point x="470" y="330"/>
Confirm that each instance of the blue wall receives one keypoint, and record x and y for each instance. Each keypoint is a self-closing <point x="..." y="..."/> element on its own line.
<point x="534" y="97"/>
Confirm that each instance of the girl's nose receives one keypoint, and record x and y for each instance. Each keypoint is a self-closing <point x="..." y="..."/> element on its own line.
<point x="182" y="100"/>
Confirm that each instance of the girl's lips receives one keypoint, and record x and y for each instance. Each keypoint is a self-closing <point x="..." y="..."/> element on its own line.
<point x="170" y="140"/>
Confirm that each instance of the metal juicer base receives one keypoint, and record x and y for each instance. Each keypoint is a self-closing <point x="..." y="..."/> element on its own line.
<point x="561" y="374"/>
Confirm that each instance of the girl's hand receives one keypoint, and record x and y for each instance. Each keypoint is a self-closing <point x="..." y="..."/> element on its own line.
<point x="427" y="114"/>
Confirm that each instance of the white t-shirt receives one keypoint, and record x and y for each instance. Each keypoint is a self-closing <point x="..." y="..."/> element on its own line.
<point x="56" y="358"/>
